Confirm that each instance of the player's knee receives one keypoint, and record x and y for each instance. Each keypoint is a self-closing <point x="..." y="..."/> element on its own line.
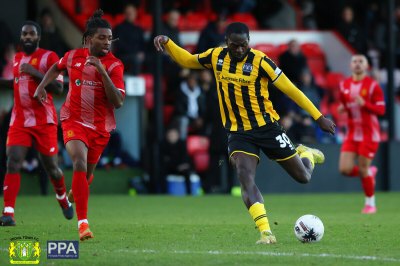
<point x="244" y="172"/>
<point x="55" y="172"/>
<point x="14" y="164"/>
<point x="363" y="171"/>
<point x="304" y="177"/>
<point x="79" y="165"/>
<point x="345" y="170"/>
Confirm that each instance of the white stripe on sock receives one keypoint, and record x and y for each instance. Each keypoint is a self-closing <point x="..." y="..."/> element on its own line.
<point x="9" y="209"/>
<point x="62" y="196"/>
<point x="370" y="201"/>
<point x="82" y="221"/>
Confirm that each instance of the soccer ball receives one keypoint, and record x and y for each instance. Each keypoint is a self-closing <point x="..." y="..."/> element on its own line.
<point x="309" y="228"/>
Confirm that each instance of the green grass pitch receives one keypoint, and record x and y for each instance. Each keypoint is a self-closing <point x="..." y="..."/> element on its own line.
<point x="214" y="230"/>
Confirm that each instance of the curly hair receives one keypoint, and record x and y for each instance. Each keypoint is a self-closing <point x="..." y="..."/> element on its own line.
<point x="95" y="22"/>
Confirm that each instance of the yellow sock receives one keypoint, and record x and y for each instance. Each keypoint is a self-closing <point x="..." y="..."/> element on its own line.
<point x="259" y="215"/>
<point x="309" y="156"/>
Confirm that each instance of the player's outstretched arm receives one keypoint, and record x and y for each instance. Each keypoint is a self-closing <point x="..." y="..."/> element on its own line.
<point x="49" y="77"/>
<point x="178" y="54"/>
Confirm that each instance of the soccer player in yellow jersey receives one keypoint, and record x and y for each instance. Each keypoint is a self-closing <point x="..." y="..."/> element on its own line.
<point x="242" y="75"/>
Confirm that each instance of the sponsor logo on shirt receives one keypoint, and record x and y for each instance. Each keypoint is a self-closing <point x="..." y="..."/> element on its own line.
<point x="77" y="64"/>
<point x="247" y="68"/>
<point x="92" y="83"/>
<point x="34" y="62"/>
<point x="16" y="80"/>
<point x="78" y="82"/>
<point x="233" y="79"/>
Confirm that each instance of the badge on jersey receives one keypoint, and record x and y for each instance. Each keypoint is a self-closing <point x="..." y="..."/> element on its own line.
<point x="363" y="92"/>
<point x="247" y="68"/>
<point x="220" y="62"/>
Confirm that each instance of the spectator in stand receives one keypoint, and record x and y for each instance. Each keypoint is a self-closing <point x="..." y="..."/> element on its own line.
<point x="309" y="88"/>
<point x="114" y="7"/>
<point x="213" y="34"/>
<point x="293" y="62"/>
<point x="170" y="25"/>
<point x="275" y="14"/>
<point x="351" y="31"/>
<point x="176" y="158"/>
<point x="308" y="15"/>
<point x="302" y="129"/>
<point x="51" y="38"/>
<point x="190" y="106"/>
<point x="130" y="45"/>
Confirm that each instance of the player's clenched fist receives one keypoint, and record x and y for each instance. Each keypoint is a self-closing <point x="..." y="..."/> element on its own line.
<point x="40" y="94"/>
<point x="159" y="41"/>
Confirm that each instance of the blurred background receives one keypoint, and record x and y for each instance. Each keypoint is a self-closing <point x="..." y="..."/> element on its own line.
<point x="160" y="147"/>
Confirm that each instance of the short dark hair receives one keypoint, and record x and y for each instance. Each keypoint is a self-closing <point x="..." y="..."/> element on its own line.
<point x="95" y="22"/>
<point x="33" y="23"/>
<point x="238" y="28"/>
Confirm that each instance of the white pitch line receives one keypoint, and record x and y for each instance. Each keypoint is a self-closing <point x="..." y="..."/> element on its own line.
<point x="261" y="253"/>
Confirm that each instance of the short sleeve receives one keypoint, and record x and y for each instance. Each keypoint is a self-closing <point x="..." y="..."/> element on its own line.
<point x="62" y="63"/>
<point x="205" y="58"/>
<point x="269" y="69"/>
<point x="53" y="59"/>
<point x="116" y="73"/>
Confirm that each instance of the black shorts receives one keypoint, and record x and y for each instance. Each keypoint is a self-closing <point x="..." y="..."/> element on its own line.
<point x="271" y="139"/>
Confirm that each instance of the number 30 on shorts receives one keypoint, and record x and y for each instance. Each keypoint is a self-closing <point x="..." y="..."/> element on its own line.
<point x="284" y="141"/>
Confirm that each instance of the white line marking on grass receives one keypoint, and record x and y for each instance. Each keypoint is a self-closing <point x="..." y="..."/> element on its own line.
<point x="261" y="253"/>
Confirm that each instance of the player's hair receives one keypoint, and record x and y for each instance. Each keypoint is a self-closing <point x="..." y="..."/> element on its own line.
<point x="33" y="23"/>
<point x="238" y="28"/>
<point x="95" y="22"/>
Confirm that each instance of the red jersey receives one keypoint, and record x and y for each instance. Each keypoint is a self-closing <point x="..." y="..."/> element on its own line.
<point x="87" y="102"/>
<point x="363" y="124"/>
<point x="28" y="111"/>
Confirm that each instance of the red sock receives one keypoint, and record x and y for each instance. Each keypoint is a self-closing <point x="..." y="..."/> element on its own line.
<point x="80" y="188"/>
<point x="354" y="172"/>
<point x="368" y="185"/>
<point x="59" y="188"/>
<point x="90" y="179"/>
<point x="12" y="182"/>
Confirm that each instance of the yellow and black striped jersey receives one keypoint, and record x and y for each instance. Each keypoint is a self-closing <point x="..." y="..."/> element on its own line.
<point x="242" y="87"/>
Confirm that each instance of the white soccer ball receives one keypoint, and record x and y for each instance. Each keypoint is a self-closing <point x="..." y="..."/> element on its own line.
<point x="309" y="228"/>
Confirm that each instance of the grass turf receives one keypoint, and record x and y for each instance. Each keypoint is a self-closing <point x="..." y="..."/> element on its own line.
<point x="213" y="230"/>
